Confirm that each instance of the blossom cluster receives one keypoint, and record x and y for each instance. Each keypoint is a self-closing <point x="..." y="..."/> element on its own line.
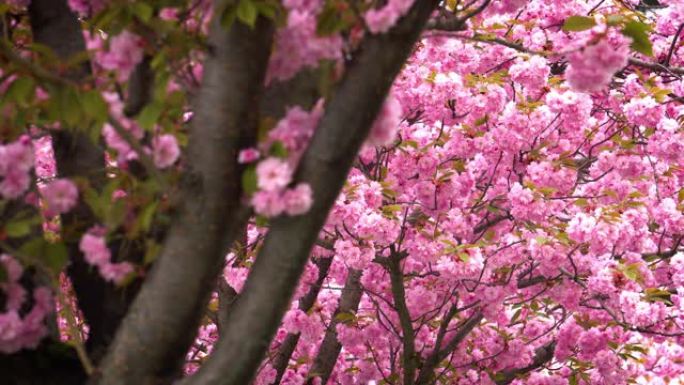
<point x="18" y="330"/>
<point x="16" y="163"/>
<point x="592" y="68"/>
<point x="93" y="245"/>
<point x="382" y="19"/>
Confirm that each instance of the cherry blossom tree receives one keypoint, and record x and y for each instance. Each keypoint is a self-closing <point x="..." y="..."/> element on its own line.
<point x="342" y="192"/>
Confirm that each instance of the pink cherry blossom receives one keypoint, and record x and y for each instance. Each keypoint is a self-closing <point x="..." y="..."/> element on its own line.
<point x="382" y="19"/>
<point x="165" y="150"/>
<point x="273" y="174"/>
<point x="298" y="200"/>
<point x="268" y="203"/>
<point x="60" y="195"/>
<point x="248" y="155"/>
<point x="125" y="52"/>
<point x="592" y="68"/>
<point x="94" y="248"/>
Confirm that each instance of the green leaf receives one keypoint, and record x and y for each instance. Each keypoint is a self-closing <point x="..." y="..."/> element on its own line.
<point x="95" y="106"/>
<point x="247" y="12"/>
<point x="329" y="21"/>
<point x="658" y="295"/>
<point x="142" y="10"/>
<point x="638" y="31"/>
<point x="228" y="17"/>
<point x="152" y="249"/>
<point x="578" y="23"/>
<point x="581" y="202"/>
<point x="65" y="106"/>
<point x="16" y="229"/>
<point x="249" y="180"/>
<point x="278" y="149"/>
<point x="463" y="256"/>
<point x="481" y="120"/>
<point x="3" y="273"/>
<point x="21" y="91"/>
<point x="261" y="221"/>
<point x="116" y="213"/>
<point x="632" y="272"/>
<point x="92" y="199"/>
<point x="391" y="209"/>
<point x="613" y="20"/>
<point x="54" y="256"/>
<point x="147" y="215"/>
<point x="345" y="318"/>
<point x="268" y="9"/>
<point x="149" y="116"/>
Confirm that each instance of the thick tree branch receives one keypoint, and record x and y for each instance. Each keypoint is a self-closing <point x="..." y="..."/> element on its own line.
<point x="529" y="282"/>
<point x="226" y="298"/>
<point x="408" y="334"/>
<point x="158" y="329"/>
<point x="427" y="372"/>
<point x="451" y="24"/>
<point x="330" y="347"/>
<point x="305" y="304"/>
<point x="657" y="67"/>
<point x="432" y="360"/>
<point x="256" y="314"/>
<point x="462" y="333"/>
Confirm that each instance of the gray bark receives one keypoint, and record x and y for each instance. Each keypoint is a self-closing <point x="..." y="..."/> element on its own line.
<point x="330" y="347"/>
<point x="153" y="338"/>
<point x="256" y="314"/>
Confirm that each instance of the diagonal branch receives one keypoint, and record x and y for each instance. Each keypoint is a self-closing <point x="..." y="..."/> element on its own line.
<point x="427" y="371"/>
<point x="349" y="114"/>
<point x="330" y="347"/>
<point x="305" y="304"/>
<point x="408" y="334"/>
<point x="462" y="333"/>
<point x="154" y="336"/>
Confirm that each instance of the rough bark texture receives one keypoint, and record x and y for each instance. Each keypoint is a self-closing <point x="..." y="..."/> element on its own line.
<point x="427" y="372"/>
<point x="162" y="321"/>
<point x="330" y="347"/>
<point x="305" y="304"/>
<point x="409" y="358"/>
<point x="267" y="292"/>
